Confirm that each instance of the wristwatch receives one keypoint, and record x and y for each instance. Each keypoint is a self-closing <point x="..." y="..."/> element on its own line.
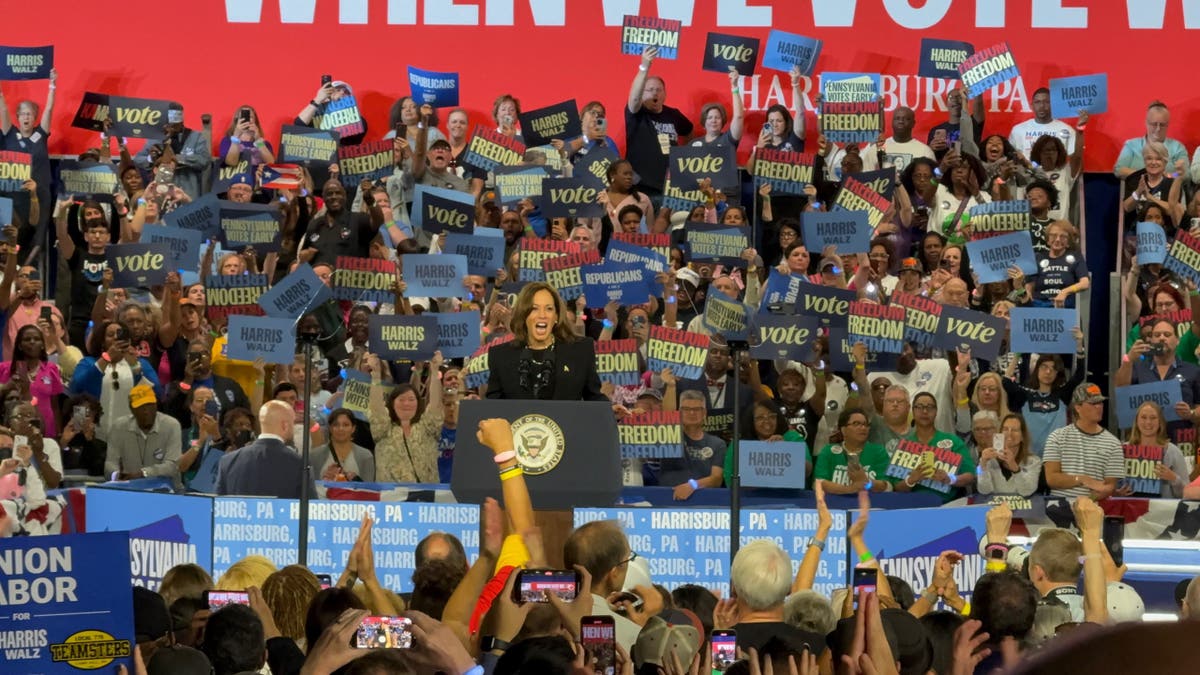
<point x="491" y="643"/>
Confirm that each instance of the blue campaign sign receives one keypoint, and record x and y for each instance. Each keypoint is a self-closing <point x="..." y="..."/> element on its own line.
<point x="784" y="337"/>
<point x="202" y="214"/>
<point x="6" y="211"/>
<point x="268" y="527"/>
<point x="991" y="257"/>
<point x="439" y="90"/>
<point x="1038" y="330"/>
<point x="183" y="244"/>
<point x="1151" y="244"/>
<point x="484" y="253"/>
<point x="728" y="318"/>
<point x="1069" y="95"/>
<point x="626" y="283"/>
<point x="403" y="336"/>
<point x="1165" y="393"/>
<point x="457" y="333"/>
<point x="941" y="58"/>
<point x="781" y="292"/>
<point x="514" y="183"/>
<point x="849" y="231"/>
<point x="164" y="529"/>
<point x="26" y="63"/>
<point x="434" y="276"/>
<point x="67" y="603"/>
<point x="785" y="50"/>
<point x="772" y="465"/>
<point x="253" y="336"/>
<point x="911" y="552"/>
<point x="968" y="330"/>
<point x="139" y="265"/>
<point x="295" y="294"/>
<point x="850" y="87"/>
<point x="691" y="546"/>
<point x="250" y="225"/>
<point x="624" y="252"/>
<point x="87" y="179"/>
<point x="438" y="210"/>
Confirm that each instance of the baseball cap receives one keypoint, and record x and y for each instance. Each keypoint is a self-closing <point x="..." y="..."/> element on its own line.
<point x="659" y="639"/>
<point x="830" y="261"/>
<point x="1087" y="393"/>
<point x="440" y="143"/>
<point x="650" y="392"/>
<point x="910" y="265"/>
<point x="178" y="660"/>
<point x="1124" y="603"/>
<point x="242" y="179"/>
<point x="689" y="275"/>
<point x="141" y="395"/>
<point x="174" y="113"/>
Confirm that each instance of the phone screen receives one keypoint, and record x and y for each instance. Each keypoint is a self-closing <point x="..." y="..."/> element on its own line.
<point x="998" y="440"/>
<point x="326" y="79"/>
<point x="724" y="650"/>
<point x="384" y="632"/>
<point x="533" y="583"/>
<point x="325" y="580"/>
<point x="218" y="599"/>
<point x="599" y="637"/>
<point x="212" y="408"/>
<point x="1114" y="538"/>
<point x="865" y="578"/>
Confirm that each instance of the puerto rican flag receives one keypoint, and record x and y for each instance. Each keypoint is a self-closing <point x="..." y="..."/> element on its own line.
<point x="281" y="176"/>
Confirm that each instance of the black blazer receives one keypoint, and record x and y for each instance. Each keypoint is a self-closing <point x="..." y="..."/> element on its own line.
<point x="575" y="377"/>
<point x="265" y="468"/>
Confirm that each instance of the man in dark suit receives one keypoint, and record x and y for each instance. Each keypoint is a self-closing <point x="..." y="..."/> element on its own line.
<point x="267" y="467"/>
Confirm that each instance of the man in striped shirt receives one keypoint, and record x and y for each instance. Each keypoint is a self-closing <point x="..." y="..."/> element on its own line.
<point x="1084" y="458"/>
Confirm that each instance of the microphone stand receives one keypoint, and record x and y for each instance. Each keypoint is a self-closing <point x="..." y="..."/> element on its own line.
<point x="309" y="341"/>
<point x="736" y="348"/>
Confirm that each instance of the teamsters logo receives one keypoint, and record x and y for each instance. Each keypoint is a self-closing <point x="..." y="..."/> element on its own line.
<point x="539" y="442"/>
<point x="90" y="650"/>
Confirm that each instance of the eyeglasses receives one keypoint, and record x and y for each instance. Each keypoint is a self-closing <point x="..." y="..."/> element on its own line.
<point x="632" y="556"/>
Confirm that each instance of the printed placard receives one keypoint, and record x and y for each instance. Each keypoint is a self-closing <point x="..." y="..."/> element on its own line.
<point x="966" y="329"/>
<point x="988" y="68"/>
<point x="1140" y="461"/>
<point x="682" y="351"/>
<point x="996" y="218"/>
<point x="565" y="274"/>
<point x="224" y="175"/>
<point x="92" y="111"/>
<point x="434" y="276"/>
<point x="514" y="183"/>
<point x="859" y="193"/>
<point x="295" y="294"/>
<point x="610" y="281"/>
<point x="439" y="90"/>
<point x="250" y="225"/>
<point x="437" y="210"/>
<point x="785" y="171"/>
<point x="781" y="293"/>
<point x="879" y="327"/>
<point x="26" y="63"/>
<point x="489" y="149"/>
<point x="356" y="392"/>
<point x="184" y="245"/>
<point x="484" y="254"/>
<point x="226" y="294"/>
<point x="138" y="265"/>
<point x="784" y="337"/>
<point x="640" y="32"/>
<point x="475" y="370"/>
<point x="655" y="435"/>
<point x="677" y="197"/>
<point x="1069" y="95"/>
<point x="785" y="50"/>
<point x="90" y="179"/>
<point x="690" y="164"/>
<point x="841" y="348"/>
<point x="909" y="455"/>
<point x="137" y="117"/>
<point x="1165" y="393"/>
<point x="767" y="464"/>
<point x="364" y="279"/>
<point x="850" y="87"/>
<point x="991" y="257"/>
<point x="617" y="362"/>
<point x="558" y="121"/>
<point x="631" y="254"/>
<point x="534" y="251"/>
<point x="1183" y="257"/>
<point x="1042" y="330"/>
<point x="922" y="319"/>
<point x="403" y="336"/>
<point x="941" y="58"/>
<point x="6" y="211"/>
<point x="308" y="146"/>
<point x="658" y="243"/>
<point x="371" y="161"/>
<point x="14" y="170"/>
<point x="728" y="318"/>
<point x="457" y="333"/>
<point x="253" y="336"/>
<point x="716" y="243"/>
<point x="828" y="304"/>
<point x="1151" y="244"/>
<point x="722" y="52"/>
<point x="571" y="198"/>
<point x="202" y="215"/>
<point x="71" y="596"/>
<point x="341" y="116"/>
<point x="852" y="121"/>
<point x="849" y="231"/>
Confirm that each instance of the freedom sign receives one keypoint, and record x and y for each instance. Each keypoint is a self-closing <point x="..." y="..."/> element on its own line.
<point x="371" y="161"/>
<point x="1183" y="257"/>
<point x="341" y="116"/>
<point x="852" y="121"/>
<point x="139" y="265"/>
<point x="999" y="217"/>
<point x="364" y="279"/>
<point x="640" y="32"/>
<point x="988" y="68"/>
<point x="489" y="149"/>
<point x="785" y="171"/>
<point x="617" y="362"/>
<point x="14" y="170"/>
<point x="682" y="351"/>
<point x="922" y="319"/>
<point x="565" y="272"/>
<point x="654" y="435"/>
<point x="226" y="294"/>
<point x="439" y="90"/>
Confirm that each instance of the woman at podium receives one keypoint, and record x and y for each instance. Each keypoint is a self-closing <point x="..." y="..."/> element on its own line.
<point x="545" y="359"/>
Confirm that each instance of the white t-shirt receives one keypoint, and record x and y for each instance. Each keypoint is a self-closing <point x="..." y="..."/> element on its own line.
<point x="933" y="376"/>
<point x="35" y="488"/>
<point x="1062" y="179"/>
<point x="900" y="155"/>
<point x="1023" y="135"/>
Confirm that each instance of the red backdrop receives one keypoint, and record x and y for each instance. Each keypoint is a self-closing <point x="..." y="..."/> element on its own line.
<point x="192" y="53"/>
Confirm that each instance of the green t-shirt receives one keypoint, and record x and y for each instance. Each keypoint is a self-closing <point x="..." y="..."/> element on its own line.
<point x="831" y="463"/>
<point x="950" y="442"/>
<point x="789" y="436"/>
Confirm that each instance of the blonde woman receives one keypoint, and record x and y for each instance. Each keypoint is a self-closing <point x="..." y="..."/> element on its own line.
<point x="1150" y="428"/>
<point x="989" y="394"/>
<point x="1013" y="470"/>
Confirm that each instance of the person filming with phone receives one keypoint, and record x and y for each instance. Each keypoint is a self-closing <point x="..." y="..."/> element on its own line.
<point x="1009" y="467"/>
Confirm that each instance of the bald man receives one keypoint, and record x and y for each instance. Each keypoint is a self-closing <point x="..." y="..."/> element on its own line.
<point x="268" y="467"/>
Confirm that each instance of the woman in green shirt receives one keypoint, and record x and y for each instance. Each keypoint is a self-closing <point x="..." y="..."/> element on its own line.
<point x="766" y="423"/>
<point x="924" y="414"/>
<point x="854" y="464"/>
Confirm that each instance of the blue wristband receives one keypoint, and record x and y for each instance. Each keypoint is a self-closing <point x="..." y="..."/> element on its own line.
<point x="475" y="670"/>
<point x="867" y="487"/>
<point x="607" y="324"/>
<point x="693" y="484"/>
<point x="953" y="478"/>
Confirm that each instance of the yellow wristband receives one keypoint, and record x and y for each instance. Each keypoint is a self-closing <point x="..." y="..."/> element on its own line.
<point x="966" y="610"/>
<point x="964" y="402"/>
<point x="511" y="472"/>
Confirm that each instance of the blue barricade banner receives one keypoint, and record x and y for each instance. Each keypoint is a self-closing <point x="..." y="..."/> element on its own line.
<point x="911" y="552"/>
<point x="165" y="530"/>
<point x="652" y="435"/>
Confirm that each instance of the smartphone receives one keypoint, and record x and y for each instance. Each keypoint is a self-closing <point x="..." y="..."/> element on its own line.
<point x="244" y="114"/>
<point x="998" y="441"/>
<point x="531" y="584"/>
<point x="384" y="632"/>
<point x="853" y="462"/>
<point x="215" y="600"/>
<point x="1114" y="538"/>
<point x="929" y="460"/>
<point x="401" y="130"/>
<point x="635" y="600"/>
<point x="46" y="313"/>
<point x="79" y="416"/>
<point x="325" y="580"/>
<point x="865" y="578"/>
<point x="958" y="146"/>
<point x="326" y="79"/>
<point x="767" y="128"/>
<point x="20" y="441"/>
<point x="34" y="275"/>
<point x="724" y="649"/>
<point x="212" y="408"/>
<point x="122" y="334"/>
<point x="601" y="124"/>
<point x="598" y="634"/>
<point x="638" y="321"/>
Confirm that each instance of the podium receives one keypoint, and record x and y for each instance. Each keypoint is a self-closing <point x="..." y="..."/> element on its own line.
<point x="569" y="450"/>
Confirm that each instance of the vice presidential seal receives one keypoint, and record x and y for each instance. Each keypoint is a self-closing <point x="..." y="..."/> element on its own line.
<point x="539" y="443"/>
